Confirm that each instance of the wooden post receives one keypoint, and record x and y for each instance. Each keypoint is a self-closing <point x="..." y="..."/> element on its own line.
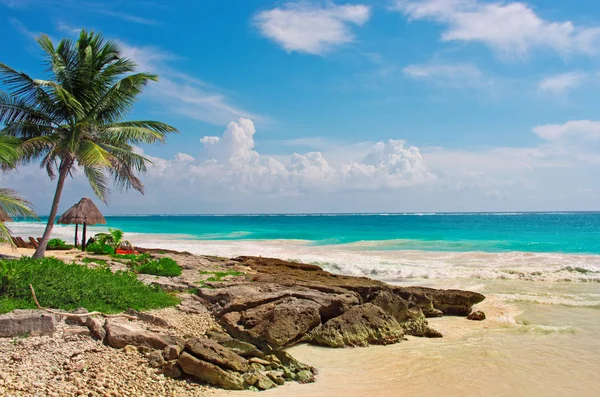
<point x="76" y="231"/>
<point x="83" y="241"/>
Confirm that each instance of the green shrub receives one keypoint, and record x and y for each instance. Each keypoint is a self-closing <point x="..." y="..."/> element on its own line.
<point x="56" y="243"/>
<point x="69" y="286"/>
<point x="161" y="267"/>
<point x="99" y="248"/>
<point x="218" y="276"/>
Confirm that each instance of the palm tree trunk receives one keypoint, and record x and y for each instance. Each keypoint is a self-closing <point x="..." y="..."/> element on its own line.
<point x="62" y="176"/>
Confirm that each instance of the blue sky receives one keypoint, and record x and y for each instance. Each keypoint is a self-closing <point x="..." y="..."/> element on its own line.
<point x="394" y="105"/>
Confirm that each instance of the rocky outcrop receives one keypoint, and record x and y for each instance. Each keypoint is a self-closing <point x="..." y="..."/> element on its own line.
<point x="435" y="302"/>
<point x="280" y="323"/>
<point x="210" y="362"/>
<point x="284" y="303"/>
<point x="26" y="322"/>
<point x="476" y="316"/>
<point x="362" y="325"/>
<point x="214" y="353"/>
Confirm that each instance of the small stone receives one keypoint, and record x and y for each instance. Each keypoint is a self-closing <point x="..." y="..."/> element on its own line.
<point x="257" y="367"/>
<point x="172" y="370"/>
<point x="305" y="376"/>
<point x="476" y="316"/>
<point x="276" y="377"/>
<point x="259" y="361"/>
<point x="171" y="352"/>
<point x="130" y="349"/>
<point x="155" y="359"/>
<point x="264" y="383"/>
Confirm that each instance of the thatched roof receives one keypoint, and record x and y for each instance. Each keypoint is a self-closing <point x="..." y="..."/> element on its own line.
<point x="85" y="211"/>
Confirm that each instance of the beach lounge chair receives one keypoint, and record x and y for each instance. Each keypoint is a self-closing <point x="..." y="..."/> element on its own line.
<point x="125" y="248"/>
<point x="34" y="242"/>
<point x="21" y="243"/>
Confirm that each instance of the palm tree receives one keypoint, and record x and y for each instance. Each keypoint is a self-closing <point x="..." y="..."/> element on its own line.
<point x="73" y="121"/>
<point x="11" y="204"/>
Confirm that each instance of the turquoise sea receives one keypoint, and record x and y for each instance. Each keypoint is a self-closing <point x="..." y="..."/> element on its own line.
<point x="572" y="232"/>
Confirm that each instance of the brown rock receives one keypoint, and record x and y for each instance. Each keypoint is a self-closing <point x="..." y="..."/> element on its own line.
<point x="360" y="326"/>
<point x="281" y="323"/>
<point x="26" y="322"/>
<point x="210" y="373"/>
<point x="171" y="352"/>
<point x="242" y="297"/>
<point x="172" y="369"/>
<point x="392" y="304"/>
<point x="476" y="316"/>
<point x="120" y="333"/>
<point x="155" y="359"/>
<point x="96" y="327"/>
<point x="416" y="324"/>
<point x="212" y="352"/>
<point x="433" y="301"/>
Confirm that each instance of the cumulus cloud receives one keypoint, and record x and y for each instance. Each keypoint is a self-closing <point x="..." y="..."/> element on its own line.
<point x="561" y="83"/>
<point x="576" y="131"/>
<point x="510" y="28"/>
<point x="226" y="173"/>
<point x="311" y="28"/>
<point x="229" y="163"/>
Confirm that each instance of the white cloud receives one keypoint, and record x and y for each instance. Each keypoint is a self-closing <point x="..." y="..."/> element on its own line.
<point x="181" y="93"/>
<point x="561" y="83"/>
<point x="510" y="28"/>
<point x="227" y="174"/>
<point x="311" y="28"/>
<point x="457" y="75"/>
<point x="576" y="131"/>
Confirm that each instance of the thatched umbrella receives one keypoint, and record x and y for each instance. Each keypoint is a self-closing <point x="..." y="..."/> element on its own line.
<point x="84" y="212"/>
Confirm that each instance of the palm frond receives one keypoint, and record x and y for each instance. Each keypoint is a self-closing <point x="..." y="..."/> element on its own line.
<point x="11" y="205"/>
<point x="98" y="181"/>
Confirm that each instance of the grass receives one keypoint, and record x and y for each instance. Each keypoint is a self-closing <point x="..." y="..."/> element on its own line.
<point x="58" y="244"/>
<point x="69" y="286"/>
<point x="218" y="276"/>
<point x="161" y="267"/>
<point x="99" y="261"/>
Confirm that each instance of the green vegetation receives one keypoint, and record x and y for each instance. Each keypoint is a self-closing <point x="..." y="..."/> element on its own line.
<point x="218" y="276"/>
<point x="99" y="248"/>
<point x="99" y="261"/>
<point x="69" y="286"/>
<point x="58" y="244"/>
<point x="161" y="267"/>
<point x="75" y="119"/>
<point x="137" y="258"/>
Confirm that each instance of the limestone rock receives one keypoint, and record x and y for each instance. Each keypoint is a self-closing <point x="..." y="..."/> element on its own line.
<point x="155" y="359"/>
<point x="212" y="352"/>
<point x="172" y="369"/>
<point x="476" y="316"/>
<point x="416" y="324"/>
<point x="360" y="326"/>
<point x="277" y="324"/>
<point x="435" y="302"/>
<point x="392" y="304"/>
<point x="120" y="333"/>
<point x="210" y="373"/>
<point x="264" y="382"/>
<point x="305" y="376"/>
<point x="171" y="352"/>
<point x="237" y="346"/>
<point x="96" y="327"/>
<point x="30" y="322"/>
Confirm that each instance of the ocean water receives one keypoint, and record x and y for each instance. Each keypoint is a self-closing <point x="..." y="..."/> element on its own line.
<point x="488" y="232"/>
<point x="540" y="273"/>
